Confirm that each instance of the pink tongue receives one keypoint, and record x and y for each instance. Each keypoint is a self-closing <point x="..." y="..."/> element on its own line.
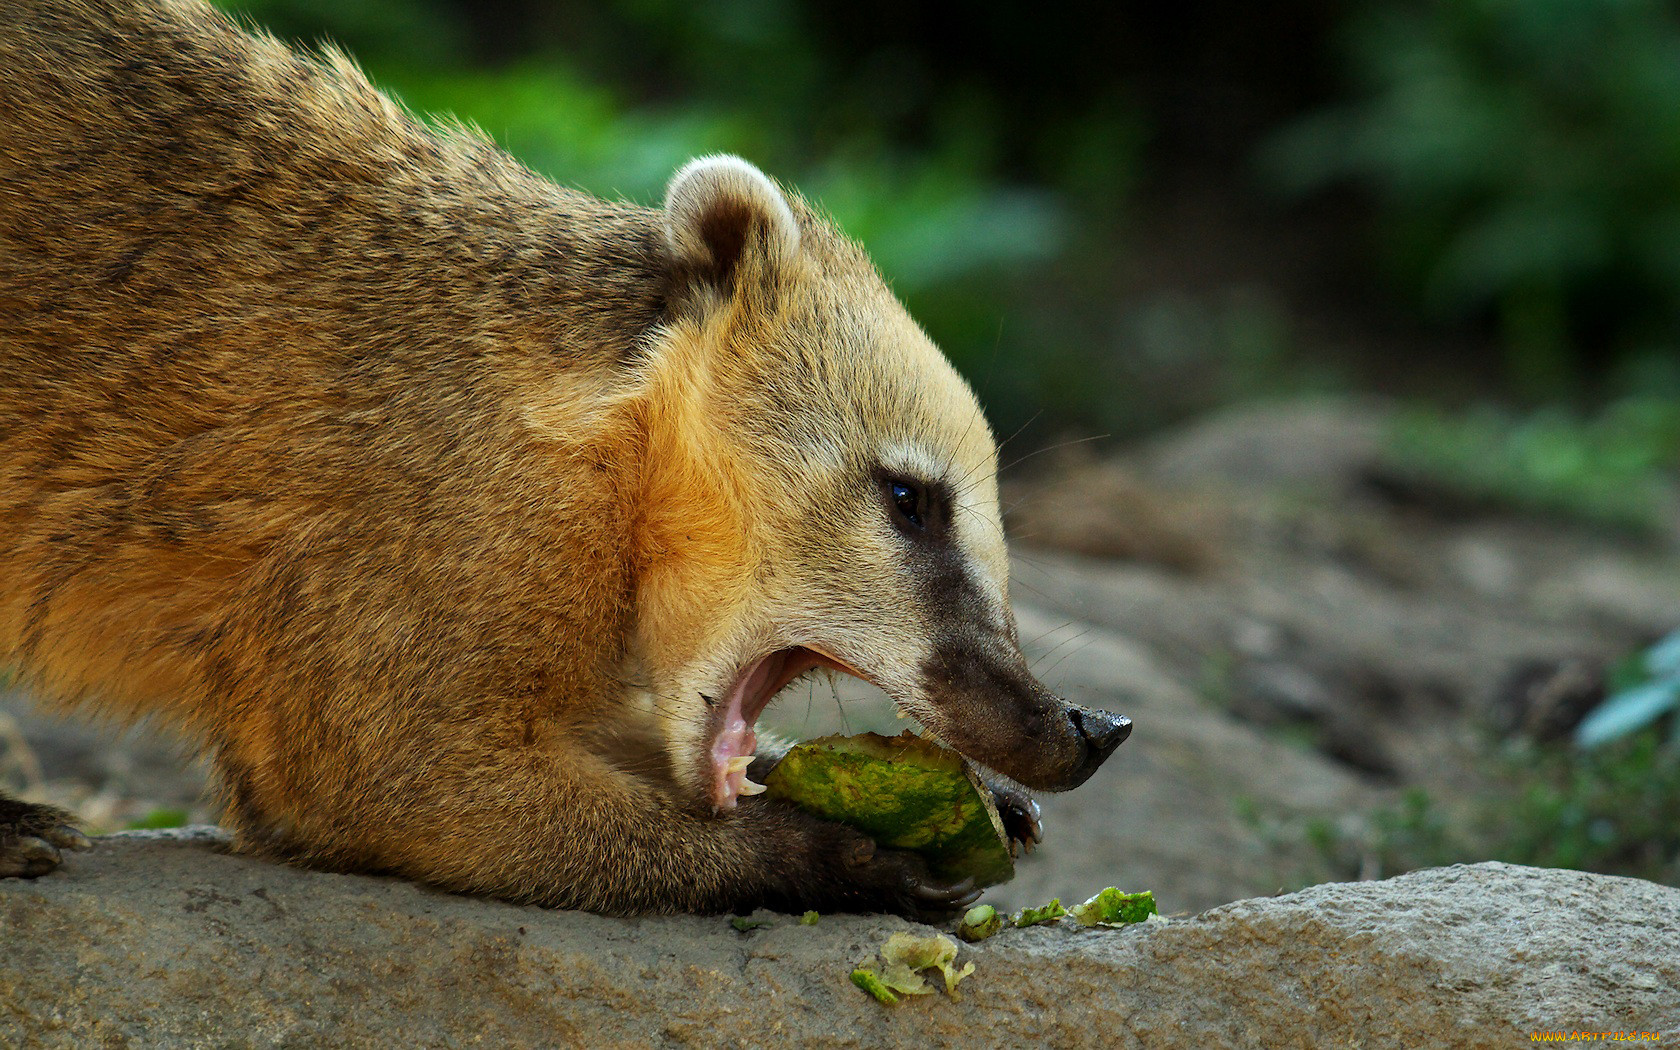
<point x="737" y="737"/>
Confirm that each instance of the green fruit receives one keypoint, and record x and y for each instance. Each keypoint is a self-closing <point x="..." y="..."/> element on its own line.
<point x="905" y="793"/>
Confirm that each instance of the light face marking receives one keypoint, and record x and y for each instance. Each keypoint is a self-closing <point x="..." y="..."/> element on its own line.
<point x="914" y="462"/>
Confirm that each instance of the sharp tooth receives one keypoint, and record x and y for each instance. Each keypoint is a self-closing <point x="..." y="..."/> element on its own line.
<point x="738" y="764"/>
<point x="749" y="788"/>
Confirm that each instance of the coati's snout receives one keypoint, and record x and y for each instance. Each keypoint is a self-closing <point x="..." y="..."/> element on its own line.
<point x="982" y="700"/>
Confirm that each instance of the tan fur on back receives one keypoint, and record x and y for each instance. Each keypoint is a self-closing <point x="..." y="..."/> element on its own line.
<point x="281" y="431"/>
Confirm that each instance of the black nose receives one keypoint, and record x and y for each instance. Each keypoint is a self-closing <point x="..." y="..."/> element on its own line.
<point x="1102" y="733"/>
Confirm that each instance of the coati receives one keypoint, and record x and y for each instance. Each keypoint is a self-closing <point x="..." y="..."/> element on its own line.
<point x="468" y="521"/>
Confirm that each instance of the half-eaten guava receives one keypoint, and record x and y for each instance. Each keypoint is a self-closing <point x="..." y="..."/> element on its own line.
<point x="905" y="793"/>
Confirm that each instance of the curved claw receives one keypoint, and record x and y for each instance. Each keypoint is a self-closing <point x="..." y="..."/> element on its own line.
<point x="933" y="892"/>
<point x="1021" y="816"/>
<point x="1029" y="827"/>
<point x="66" y="837"/>
<point x="932" y="901"/>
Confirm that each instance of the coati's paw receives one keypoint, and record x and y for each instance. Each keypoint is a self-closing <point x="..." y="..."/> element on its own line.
<point x="31" y="836"/>
<point x="1020" y="816"/>
<point x="898" y="881"/>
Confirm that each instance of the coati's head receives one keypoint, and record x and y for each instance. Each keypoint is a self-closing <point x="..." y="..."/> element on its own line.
<point x="820" y="491"/>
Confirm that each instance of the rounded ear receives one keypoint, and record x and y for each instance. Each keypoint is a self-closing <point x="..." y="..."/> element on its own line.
<point x="722" y="216"/>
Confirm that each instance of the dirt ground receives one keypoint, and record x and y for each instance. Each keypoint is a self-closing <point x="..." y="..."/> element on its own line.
<point x="1289" y="642"/>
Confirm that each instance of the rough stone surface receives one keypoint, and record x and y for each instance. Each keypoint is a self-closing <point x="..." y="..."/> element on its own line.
<point x="160" y="939"/>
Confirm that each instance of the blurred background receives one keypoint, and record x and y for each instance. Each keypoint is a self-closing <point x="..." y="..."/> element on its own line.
<point x="1338" y="342"/>
<point x="1119" y="215"/>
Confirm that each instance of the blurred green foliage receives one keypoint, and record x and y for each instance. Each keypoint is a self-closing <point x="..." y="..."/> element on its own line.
<point x="158" y="819"/>
<point x="614" y="97"/>
<point x="1524" y="156"/>
<point x="1615" y="810"/>
<point x="1610" y="468"/>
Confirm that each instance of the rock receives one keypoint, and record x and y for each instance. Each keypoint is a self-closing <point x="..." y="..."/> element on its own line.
<point x="1104" y="510"/>
<point x="161" y="939"/>
<point x="1408" y="664"/>
<point x="1164" y="813"/>
<point x="1325" y="443"/>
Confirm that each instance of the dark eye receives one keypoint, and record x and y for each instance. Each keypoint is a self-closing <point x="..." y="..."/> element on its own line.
<point x="909" y="500"/>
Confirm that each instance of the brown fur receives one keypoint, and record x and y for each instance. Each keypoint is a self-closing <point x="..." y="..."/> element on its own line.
<point x="423" y="491"/>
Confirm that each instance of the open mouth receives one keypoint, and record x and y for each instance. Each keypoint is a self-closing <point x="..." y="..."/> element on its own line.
<point x="735" y="739"/>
